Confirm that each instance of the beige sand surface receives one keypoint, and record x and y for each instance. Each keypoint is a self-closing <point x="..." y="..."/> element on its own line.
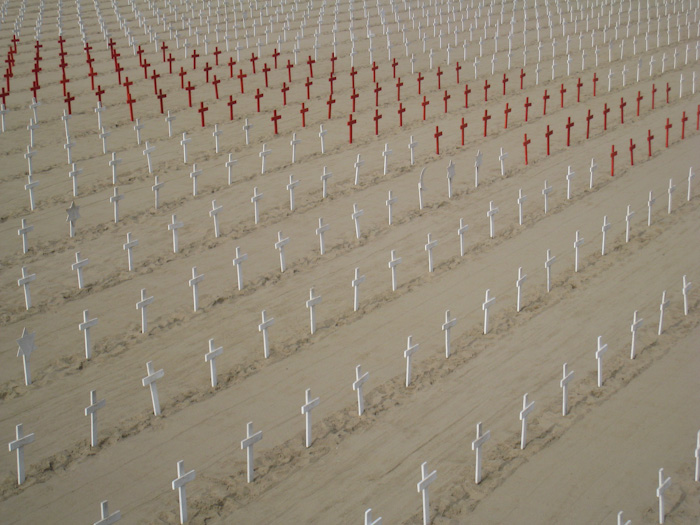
<point x="583" y="468"/>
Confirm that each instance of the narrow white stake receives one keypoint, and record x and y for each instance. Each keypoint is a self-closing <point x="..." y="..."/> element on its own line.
<point x="385" y="154"/>
<point x="421" y="189"/>
<point x="106" y="517"/>
<point x="184" y="142"/>
<point x="193" y="283"/>
<point x="423" y="484"/>
<point x="150" y="381"/>
<point x="662" y="307"/>
<point x="393" y="263"/>
<point x="605" y="228"/>
<point x="548" y="266"/>
<point x="446" y="326"/>
<point x="247" y="445"/>
<point x="210" y="357"/>
<point x="85" y="328"/>
<point x="389" y="203"/>
<point x="356" y="214"/>
<point x="476" y="447"/>
<point x="636" y="323"/>
<point x="141" y="305"/>
<point x="687" y="285"/>
<point x="519" y="285"/>
<point x="650" y="203"/>
<point x="411" y="145"/>
<point x="306" y="409"/>
<point x="691" y="176"/>
<point x="18" y="445"/>
<point x="179" y="484"/>
<point x="527" y="408"/>
<point x="697" y="458"/>
<point x="577" y="244"/>
<point x="429" y="248"/>
<point x="262" y="327"/>
<point x="488" y="301"/>
<point x="602" y="348"/>
<point x="91" y="411"/>
<point x="461" y="231"/>
<point x="25" y="349"/>
<point x="322" y="228"/>
<point x="664" y="484"/>
<point x="254" y="199"/>
<point x="356" y="282"/>
<point x="546" y="191"/>
<point x="521" y="199"/>
<point x="477" y="164"/>
<point x="564" y="384"/>
<point x="77" y="267"/>
<point x="279" y="245"/>
<point x="671" y="189"/>
<point x="628" y="219"/>
<point x="450" y="176"/>
<point x="569" y="177"/>
<point x="311" y="304"/>
<point x="360" y="379"/>
<point x="410" y="350"/>
<point x="290" y="188"/>
<point x="26" y="229"/>
<point x="24" y="283"/>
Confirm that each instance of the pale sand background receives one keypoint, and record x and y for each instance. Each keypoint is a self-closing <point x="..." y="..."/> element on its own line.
<point x="583" y="468"/>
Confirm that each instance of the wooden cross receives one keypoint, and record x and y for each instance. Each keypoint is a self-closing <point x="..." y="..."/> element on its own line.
<point x="17" y="445"/>
<point x="490" y="215"/>
<point x="488" y="301"/>
<point x="423" y="484"/>
<point x="262" y="327"/>
<point x="360" y="380"/>
<point x="150" y="381"/>
<point x="85" y="327"/>
<point x="548" y="267"/>
<point x="105" y="517"/>
<point x="481" y="439"/>
<point x="91" y="411"/>
<point x="279" y="245"/>
<point x="578" y="242"/>
<point x="567" y="377"/>
<point x="306" y="409"/>
<point x="312" y="302"/>
<point x="247" y="445"/>
<point x="664" y="484"/>
<point x="527" y="409"/>
<point x="77" y="267"/>
<point x="602" y="348"/>
<point x="179" y="484"/>
<point x="446" y="326"/>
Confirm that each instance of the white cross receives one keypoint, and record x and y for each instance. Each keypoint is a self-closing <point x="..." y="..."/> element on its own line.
<point x="114" y="199"/>
<point x="356" y="214"/>
<point x="423" y="484"/>
<point x="113" y="163"/>
<point x="237" y="262"/>
<point x="74" y="176"/>
<point x="254" y="199"/>
<point x="592" y="171"/>
<point x="477" y="164"/>
<point x="502" y="158"/>
<point x="356" y="282"/>
<point x="650" y="203"/>
<point x="548" y="266"/>
<point x="18" y="445"/>
<point x="321" y="134"/>
<point x="602" y="348"/>
<point x="358" y="164"/>
<point x="476" y="447"/>
<point x="450" y="176"/>
<point x="3" y="112"/>
<point x="697" y="458"/>
<point x="262" y="327"/>
<point x="141" y="305"/>
<point x="290" y="187"/>
<point x="490" y="214"/>
<point x="527" y="408"/>
<point x="30" y="187"/>
<point x="446" y="326"/>
<point x="294" y="143"/>
<point x="137" y="128"/>
<point x="664" y="484"/>
<point x="263" y="154"/>
<point x="28" y="155"/>
<point x="521" y="199"/>
<point x="671" y="189"/>
<point x="687" y="285"/>
<point x="228" y="165"/>
<point x="26" y="229"/>
<point x="662" y="308"/>
<point x="691" y="176"/>
<point x="569" y="177"/>
<point x="31" y="127"/>
<point x="194" y="174"/>
<point x="411" y="145"/>
<point x="216" y="133"/>
<point x="193" y="283"/>
<point x="91" y="411"/>
<point x="106" y="517"/>
<point x="322" y="228"/>
<point x="103" y="136"/>
<point x="546" y="191"/>
<point x="306" y="409"/>
<point x="169" y="119"/>
<point x="25" y="349"/>
<point x="77" y="267"/>
<point x="279" y="245"/>
<point x="247" y="127"/>
<point x="24" y="282"/>
<point x="184" y="142"/>
<point x="247" y="445"/>
<point x="150" y="381"/>
<point x="85" y="327"/>
<point x="636" y="323"/>
<point x="429" y="248"/>
<point x="99" y="109"/>
<point x="360" y="379"/>
<point x="393" y="263"/>
<point x="386" y="153"/>
<point x="389" y="203"/>
<point x="369" y="520"/>
<point x="577" y="244"/>
<point x="210" y="357"/>
<point x="565" y="380"/>
<point x="324" y="181"/>
<point x="179" y="483"/>
<point x="488" y="301"/>
<point x="311" y="304"/>
<point x="519" y="284"/>
<point x="174" y="226"/>
<point x="147" y="152"/>
<point x="156" y="189"/>
<point x="421" y="189"/>
<point x="628" y="219"/>
<point x="128" y="246"/>
<point x="461" y="231"/>
<point x="410" y="350"/>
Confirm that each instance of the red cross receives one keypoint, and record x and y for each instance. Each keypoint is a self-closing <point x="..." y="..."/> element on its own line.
<point x="266" y="70"/>
<point x="354" y="97"/>
<point x="231" y="63"/>
<point x="351" y="122"/>
<point x="485" y="118"/>
<point x="486" y="90"/>
<point x="170" y="63"/>
<point x="525" y="143"/>
<point x="61" y="41"/>
<point x="376" y="117"/>
<point x="155" y="76"/>
<point x="437" y="136"/>
<point x="275" y="55"/>
<point x="653" y="94"/>
<point x="111" y="44"/>
<point x="201" y="110"/>
<point x="194" y="58"/>
<point x="622" y="110"/>
<point x="230" y="104"/>
<point x="606" y="110"/>
<point x="548" y="134"/>
<point x="569" y="125"/>
<point x="562" y="90"/>
<point x="333" y="59"/>
<point x="311" y="63"/>
<point x="377" y="89"/>
<point x="64" y="81"/>
<point x="89" y="60"/>
<point x="189" y="89"/>
<point x="15" y="40"/>
<point x="650" y="137"/>
<point x="36" y="70"/>
<point x="505" y="112"/>
<point x="4" y="94"/>
<point x="140" y="53"/>
<point x="330" y="103"/>
<point x="92" y="74"/>
<point x="527" y="106"/>
<point x="289" y="70"/>
<point x="258" y="96"/>
<point x="308" y="85"/>
<point x="420" y="79"/>
<point x="253" y="59"/>
<point x="274" y="118"/>
<point x="216" y="83"/>
<point x="589" y="117"/>
<point x="632" y="147"/>
<point x="207" y="68"/>
<point x="182" y="74"/>
<point x="613" y="154"/>
<point x="668" y="90"/>
<point x="505" y="81"/>
<point x="398" y="89"/>
<point x="424" y="104"/>
<point x="462" y="127"/>
<point x="446" y="97"/>
<point x="394" y="63"/>
<point x="466" y="95"/>
<point x="303" y="111"/>
<point x="595" y="81"/>
<point x="99" y="92"/>
<point x="457" y="70"/>
<point x="439" y="75"/>
<point x="353" y="72"/>
<point x="35" y="87"/>
<point x="401" y="111"/>
<point x="241" y="76"/>
<point x="579" y="85"/>
<point x="130" y="100"/>
<point x="545" y="97"/>
<point x="522" y="76"/>
<point x="163" y="47"/>
<point x="683" y="121"/>
<point x="668" y="126"/>
<point x="161" y="96"/>
<point x="7" y="76"/>
<point x="127" y="84"/>
<point x="284" y="90"/>
<point x="374" y="72"/>
<point x="119" y="70"/>
<point x="332" y="79"/>
<point x="145" y="66"/>
<point x="216" y="54"/>
<point x="639" y="99"/>
<point x="38" y="46"/>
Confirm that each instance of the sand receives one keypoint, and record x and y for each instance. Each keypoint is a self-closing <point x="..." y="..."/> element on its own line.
<point x="603" y="457"/>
